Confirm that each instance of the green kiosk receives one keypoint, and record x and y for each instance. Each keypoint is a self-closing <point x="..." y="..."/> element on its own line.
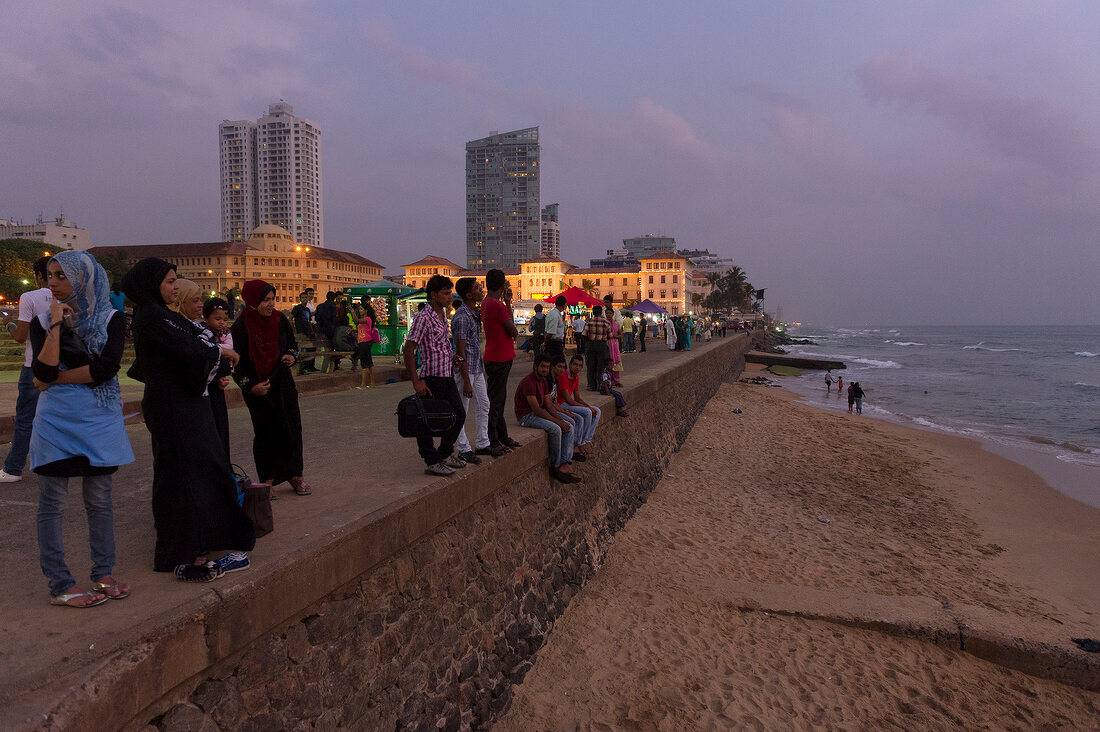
<point x="393" y="324"/>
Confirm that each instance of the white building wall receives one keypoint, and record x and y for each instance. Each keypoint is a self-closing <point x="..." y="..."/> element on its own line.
<point x="237" y="141"/>
<point x="62" y="234"/>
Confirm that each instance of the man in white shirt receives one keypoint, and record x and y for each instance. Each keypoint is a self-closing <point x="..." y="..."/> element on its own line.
<point x="578" y="333"/>
<point x="31" y="304"/>
<point x="555" y="329"/>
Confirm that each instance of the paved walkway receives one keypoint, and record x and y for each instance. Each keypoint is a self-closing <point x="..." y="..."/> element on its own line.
<point x="354" y="459"/>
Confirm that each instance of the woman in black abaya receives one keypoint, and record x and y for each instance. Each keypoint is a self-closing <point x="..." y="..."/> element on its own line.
<point x="195" y="507"/>
<point x="265" y="339"/>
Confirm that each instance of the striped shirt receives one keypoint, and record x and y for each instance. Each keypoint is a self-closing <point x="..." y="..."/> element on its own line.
<point x="429" y="333"/>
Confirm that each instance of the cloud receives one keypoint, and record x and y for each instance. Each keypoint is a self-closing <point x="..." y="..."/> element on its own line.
<point x="672" y="129"/>
<point x="1028" y="130"/>
<point x="417" y="61"/>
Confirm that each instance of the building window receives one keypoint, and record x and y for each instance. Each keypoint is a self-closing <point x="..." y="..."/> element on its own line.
<point x="674" y="279"/>
<point x="662" y="294"/>
<point x="597" y="282"/>
<point x="651" y="279"/>
<point x="674" y="293"/>
<point x="651" y="294"/>
<point x="624" y="281"/>
<point x="662" y="279"/>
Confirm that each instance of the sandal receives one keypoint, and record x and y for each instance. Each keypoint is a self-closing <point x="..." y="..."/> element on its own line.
<point x="198" y="572"/>
<point x="66" y="600"/>
<point x="303" y="489"/>
<point x="114" y="590"/>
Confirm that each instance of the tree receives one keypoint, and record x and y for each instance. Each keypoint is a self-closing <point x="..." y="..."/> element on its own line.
<point x="589" y="287"/>
<point x="17" y="258"/>
<point x="115" y="263"/>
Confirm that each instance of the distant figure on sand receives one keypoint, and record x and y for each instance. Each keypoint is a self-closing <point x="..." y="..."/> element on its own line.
<point x="828" y="381"/>
<point x="857" y="393"/>
<point x="839" y="385"/>
<point x="851" y="396"/>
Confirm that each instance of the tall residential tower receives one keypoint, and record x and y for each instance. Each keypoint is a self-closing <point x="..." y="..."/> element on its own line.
<point x="503" y="214"/>
<point x="271" y="174"/>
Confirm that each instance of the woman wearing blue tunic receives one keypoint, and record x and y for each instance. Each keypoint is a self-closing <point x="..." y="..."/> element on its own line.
<point x="78" y="426"/>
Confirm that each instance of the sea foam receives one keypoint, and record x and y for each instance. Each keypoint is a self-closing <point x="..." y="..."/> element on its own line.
<point x="1086" y="354"/>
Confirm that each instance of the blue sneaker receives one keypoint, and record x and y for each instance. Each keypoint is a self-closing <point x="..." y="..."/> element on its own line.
<point x="232" y="562"/>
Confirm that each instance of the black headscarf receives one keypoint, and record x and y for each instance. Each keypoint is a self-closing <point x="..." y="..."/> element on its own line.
<point x="142" y="286"/>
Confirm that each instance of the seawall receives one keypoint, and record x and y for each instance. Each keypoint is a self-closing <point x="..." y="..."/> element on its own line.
<point x="421" y="614"/>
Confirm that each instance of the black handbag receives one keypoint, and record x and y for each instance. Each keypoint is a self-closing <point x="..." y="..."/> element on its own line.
<point x="72" y="351"/>
<point x="418" y="417"/>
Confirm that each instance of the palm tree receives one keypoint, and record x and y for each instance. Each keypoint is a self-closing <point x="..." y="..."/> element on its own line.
<point x="589" y="287"/>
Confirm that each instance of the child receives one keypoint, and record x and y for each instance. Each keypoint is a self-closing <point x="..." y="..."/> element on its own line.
<point x="215" y="312"/>
<point x="366" y="337"/>
<point x="607" y="380"/>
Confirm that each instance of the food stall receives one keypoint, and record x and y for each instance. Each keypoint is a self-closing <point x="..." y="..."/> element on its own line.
<point x="392" y="325"/>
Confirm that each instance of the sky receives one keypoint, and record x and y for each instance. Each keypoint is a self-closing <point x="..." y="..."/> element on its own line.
<point x="870" y="162"/>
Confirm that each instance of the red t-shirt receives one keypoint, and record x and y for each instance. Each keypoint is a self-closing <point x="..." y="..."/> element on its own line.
<point x="567" y="385"/>
<point x="531" y="385"/>
<point x="499" y="346"/>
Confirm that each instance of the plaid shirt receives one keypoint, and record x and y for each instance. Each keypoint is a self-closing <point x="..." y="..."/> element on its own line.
<point x="597" y="329"/>
<point x="466" y="326"/>
<point x="429" y="333"/>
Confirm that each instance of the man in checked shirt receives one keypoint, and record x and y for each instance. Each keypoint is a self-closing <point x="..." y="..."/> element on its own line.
<point x="596" y="333"/>
<point x="428" y="335"/>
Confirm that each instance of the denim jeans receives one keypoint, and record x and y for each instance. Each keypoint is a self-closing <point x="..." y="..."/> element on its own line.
<point x="588" y="422"/>
<point x="628" y="342"/>
<point x="25" y="405"/>
<point x="561" y="444"/>
<point x="52" y="492"/>
<point x="481" y="416"/>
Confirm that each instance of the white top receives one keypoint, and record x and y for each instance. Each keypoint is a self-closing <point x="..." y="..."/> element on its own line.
<point x="555" y="325"/>
<point x="578" y="324"/>
<point x="32" y="304"/>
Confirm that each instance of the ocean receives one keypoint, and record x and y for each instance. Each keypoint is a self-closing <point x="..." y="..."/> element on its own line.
<point x="1033" y="388"/>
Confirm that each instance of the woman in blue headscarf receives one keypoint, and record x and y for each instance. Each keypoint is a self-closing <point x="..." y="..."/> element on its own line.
<point x="78" y="429"/>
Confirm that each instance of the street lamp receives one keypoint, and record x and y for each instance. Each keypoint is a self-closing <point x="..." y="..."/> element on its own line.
<point x="219" y="276"/>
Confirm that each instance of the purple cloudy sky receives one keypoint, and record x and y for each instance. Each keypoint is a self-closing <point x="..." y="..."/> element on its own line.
<point x="867" y="162"/>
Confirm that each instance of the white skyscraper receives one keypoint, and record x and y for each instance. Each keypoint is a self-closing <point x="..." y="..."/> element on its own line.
<point x="271" y="174"/>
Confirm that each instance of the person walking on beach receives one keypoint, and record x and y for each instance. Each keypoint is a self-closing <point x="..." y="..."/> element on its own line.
<point x="839" y="385"/>
<point x="858" y="394"/>
<point x="851" y="396"/>
<point x="828" y="381"/>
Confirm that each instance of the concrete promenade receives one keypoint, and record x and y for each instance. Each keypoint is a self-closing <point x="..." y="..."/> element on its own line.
<point x="357" y="465"/>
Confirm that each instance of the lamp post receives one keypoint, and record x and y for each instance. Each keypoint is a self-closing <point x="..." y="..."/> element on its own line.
<point x="219" y="276"/>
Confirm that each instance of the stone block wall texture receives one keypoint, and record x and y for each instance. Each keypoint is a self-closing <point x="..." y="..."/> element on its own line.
<point x="436" y="635"/>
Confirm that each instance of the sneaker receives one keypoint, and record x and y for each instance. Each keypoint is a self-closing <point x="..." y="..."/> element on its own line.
<point x="198" y="572"/>
<point x="470" y="457"/>
<point x="454" y="461"/>
<point x="6" y="477"/>
<point x="232" y="562"/>
<point x="439" y="469"/>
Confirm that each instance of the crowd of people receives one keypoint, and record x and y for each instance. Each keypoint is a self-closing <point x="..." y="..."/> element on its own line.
<point x="444" y="355"/>
<point x="69" y="421"/>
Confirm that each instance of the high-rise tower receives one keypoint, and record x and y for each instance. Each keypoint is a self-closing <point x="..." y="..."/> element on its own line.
<point x="271" y="174"/>
<point x="503" y="214"/>
<point x="551" y="231"/>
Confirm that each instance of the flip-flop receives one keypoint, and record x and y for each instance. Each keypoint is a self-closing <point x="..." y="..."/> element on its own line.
<point x="303" y="489"/>
<point x="111" y="589"/>
<point x="63" y="600"/>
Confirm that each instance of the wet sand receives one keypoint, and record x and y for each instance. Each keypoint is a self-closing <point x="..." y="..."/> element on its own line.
<point x="728" y="603"/>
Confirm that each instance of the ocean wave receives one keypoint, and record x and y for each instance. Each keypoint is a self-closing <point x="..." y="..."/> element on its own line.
<point x="1086" y="384"/>
<point x="937" y="426"/>
<point x="868" y="362"/>
<point x="907" y="343"/>
<point x="1078" y="458"/>
<point x="1086" y="354"/>
<point x="982" y="347"/>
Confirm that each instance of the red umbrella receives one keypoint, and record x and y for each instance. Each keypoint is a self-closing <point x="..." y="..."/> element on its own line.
<point x="575" y="296"/>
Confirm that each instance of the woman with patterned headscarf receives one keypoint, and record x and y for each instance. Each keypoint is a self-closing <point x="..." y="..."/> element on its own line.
<point x="78" y="430"/>
<point x="265" y="340"/>
<point x="195" y="508"/>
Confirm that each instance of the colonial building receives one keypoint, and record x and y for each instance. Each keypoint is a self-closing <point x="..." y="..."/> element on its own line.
<point x="269" y="254"/>
<point x="664" y="278"/>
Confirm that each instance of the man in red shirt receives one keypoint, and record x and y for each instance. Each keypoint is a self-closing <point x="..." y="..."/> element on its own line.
<point x="530" y="397"/>
<point x="500" y="350"/>
<point x="569" y="396"/>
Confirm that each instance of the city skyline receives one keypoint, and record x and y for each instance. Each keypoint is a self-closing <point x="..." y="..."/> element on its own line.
<point x="867" y="163"/>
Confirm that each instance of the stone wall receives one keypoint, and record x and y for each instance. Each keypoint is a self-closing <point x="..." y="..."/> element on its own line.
<point x="435" y="632"/>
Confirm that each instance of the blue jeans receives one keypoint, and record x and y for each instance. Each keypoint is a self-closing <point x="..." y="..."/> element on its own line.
<point x="628" y="342"/>
<point x="561" y="444"/>
<point x="52" y="492"/>
<point x="588" y="422"/>
<point x="25" y="405"/>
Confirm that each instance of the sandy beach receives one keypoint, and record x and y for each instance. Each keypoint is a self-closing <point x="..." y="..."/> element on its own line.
<point x="803" y="569"/>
